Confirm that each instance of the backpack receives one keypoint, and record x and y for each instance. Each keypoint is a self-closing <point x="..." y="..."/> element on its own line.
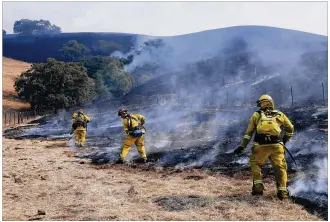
<point x="79" y="121"/>
<point x="267" y="123"/>
<point x="136" y="131"/>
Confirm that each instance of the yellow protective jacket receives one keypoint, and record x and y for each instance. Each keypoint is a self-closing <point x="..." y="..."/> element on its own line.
<point x="136" y="118"/>
<point x="282" y="120"/>
<point x="84" y="117"/>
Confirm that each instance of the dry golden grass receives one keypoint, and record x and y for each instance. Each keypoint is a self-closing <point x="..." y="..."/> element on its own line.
<point x="10" y="70"/>
<point x="44" y="176"/>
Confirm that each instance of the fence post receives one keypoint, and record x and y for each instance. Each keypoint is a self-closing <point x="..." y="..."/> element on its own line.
<point x="323" y="93"/>
<point x="227" y="98"/>
<point x="291" y="97"/>
<point x="212" y="99"/>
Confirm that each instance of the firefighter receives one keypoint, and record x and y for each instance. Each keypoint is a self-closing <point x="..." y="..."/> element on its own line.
<point x="79" y="126"/>
<point x="134" y="129"/>
<point x="268" y="144"/>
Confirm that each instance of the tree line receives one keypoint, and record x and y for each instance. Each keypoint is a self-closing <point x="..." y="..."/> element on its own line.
<point x="76" y="78"/>
<point x="60" y="85"/>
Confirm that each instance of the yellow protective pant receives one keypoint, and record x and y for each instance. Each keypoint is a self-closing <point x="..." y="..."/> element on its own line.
<point x="128" y="143"/>
<point x="275" y="153"/>
<point x="80" y="136"/>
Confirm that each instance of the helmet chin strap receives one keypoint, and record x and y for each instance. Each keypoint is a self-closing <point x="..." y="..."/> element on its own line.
<point x="266" y="108"/>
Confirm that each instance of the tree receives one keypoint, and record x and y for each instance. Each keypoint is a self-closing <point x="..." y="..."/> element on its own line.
<point x="155" y="43"/>
<point x="127" y="60"/>
<point x="236" y="46"/>
<point x="115" y="79"/>
<point x="95" y="63"/>
<point x="35" y="27"/>
<point x="144" y="72"/>
<point x="149" y="46"/>
<point x="55" y="85"/>
<point x="4" y="32"/>
<point x="73" y="51"/>
<point x="101" y="90"/>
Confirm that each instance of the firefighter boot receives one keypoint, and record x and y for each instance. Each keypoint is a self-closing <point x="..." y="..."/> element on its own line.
<point x="282" y="195"/>
<point x="258" y="189"/>
<point x="120" y="161"/>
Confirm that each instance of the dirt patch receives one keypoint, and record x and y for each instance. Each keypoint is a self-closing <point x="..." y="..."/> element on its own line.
<point x="183" y="203"/>
<point x="194" y="177"/>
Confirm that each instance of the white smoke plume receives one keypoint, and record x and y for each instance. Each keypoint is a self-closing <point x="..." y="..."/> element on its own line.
<point x="315" y="181"/>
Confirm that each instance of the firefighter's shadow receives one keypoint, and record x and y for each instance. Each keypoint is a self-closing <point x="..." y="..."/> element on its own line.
<point x="182" y="203"/>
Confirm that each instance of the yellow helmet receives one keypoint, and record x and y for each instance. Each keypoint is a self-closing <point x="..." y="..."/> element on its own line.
<point x="265" y="101"/>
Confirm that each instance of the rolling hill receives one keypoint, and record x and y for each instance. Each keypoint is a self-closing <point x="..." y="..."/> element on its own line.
<point x="39" y="48"/>
<point x="246" y="60"/>
<point x="10" y="70"/>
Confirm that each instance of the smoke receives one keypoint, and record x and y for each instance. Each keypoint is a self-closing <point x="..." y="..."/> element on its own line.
<point x="310" y="148"/>
<point x="203" y="71"/>
<point x="272" y="60"/>
<point x="315" y="181"/>
<point x="118" y="54"/>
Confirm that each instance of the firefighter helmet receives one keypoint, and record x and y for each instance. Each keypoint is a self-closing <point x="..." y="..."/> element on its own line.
<point x="265" y="101"/>
<point x="122" y="111"/>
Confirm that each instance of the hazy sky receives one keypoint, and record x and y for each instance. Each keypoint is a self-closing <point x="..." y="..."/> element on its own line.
<point x="168" y="18"/>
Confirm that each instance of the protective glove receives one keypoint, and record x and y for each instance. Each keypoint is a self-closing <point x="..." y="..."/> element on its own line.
<point x="238" y="150"/>
<point x="285" y="139"/>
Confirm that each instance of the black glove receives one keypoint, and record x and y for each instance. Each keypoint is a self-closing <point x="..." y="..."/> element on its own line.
<point x="239" y="150"/>
<point x="286" y="139"/>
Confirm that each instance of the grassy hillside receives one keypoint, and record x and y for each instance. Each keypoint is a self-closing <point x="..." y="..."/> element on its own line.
<point x="10" y="70"/>
<point x="39" y="48"/>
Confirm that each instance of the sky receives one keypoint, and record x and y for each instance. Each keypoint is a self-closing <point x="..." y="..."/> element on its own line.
<point x="168" y="18"/>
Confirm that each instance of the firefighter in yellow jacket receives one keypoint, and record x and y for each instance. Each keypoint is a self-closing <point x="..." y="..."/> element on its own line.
<point x="133" y="127"/>
<point x="268" y="144"/>
<point x="79" y="125"/>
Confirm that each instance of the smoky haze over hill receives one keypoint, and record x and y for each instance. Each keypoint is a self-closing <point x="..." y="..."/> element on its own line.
<point x="249" y="57"/>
